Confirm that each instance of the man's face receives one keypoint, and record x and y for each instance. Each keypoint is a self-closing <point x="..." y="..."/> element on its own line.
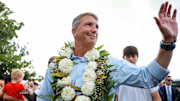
<point x="168" y="81"/>
<point x="87" y="30"/>
<point x="131" y="59"/>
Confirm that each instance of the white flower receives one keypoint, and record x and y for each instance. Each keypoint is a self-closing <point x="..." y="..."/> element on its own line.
<point x="89" y="76"/>
<point x="64" y="81"/>
<point x="88" y="88"/>
<point x="99" y="72"/>
<point x="92" y="65"/>
<point x="82" y="98"/>
<point x="66" y="52"/>
<point x="92" y="55"/>
<point x="72" y="44"/>
<point x="65" y="65"/>
<point x="68" y="93"/>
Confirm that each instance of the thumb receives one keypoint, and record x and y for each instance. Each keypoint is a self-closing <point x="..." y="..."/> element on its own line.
<point x="157" y="21"/>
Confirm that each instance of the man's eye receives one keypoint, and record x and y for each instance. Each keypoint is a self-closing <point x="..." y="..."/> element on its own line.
<point x="97" y="26"/>
<point x="89" y="24"/>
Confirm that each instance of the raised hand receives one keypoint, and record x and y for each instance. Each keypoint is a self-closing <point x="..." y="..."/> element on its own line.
<point x="167" y="23"/>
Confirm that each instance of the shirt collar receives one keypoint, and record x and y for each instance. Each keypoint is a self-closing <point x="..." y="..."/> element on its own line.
<point x="168" y="86"/>
<point x="81" y="59"/>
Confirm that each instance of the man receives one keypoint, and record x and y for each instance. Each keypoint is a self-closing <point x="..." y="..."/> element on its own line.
<point x="167" y="92"/>
<point x="85" y="32"/>
<point x="130" y="53"/>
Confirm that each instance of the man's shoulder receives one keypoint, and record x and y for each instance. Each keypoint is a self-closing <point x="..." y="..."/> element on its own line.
<point x="175" y="89"/>
<point x="114" y="60"/>
<point x="162" y="88"/>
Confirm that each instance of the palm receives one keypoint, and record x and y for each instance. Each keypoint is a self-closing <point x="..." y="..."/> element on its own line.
<point x="167" y="24"/>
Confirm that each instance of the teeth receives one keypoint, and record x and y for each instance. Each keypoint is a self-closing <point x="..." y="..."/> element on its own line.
<point x="90" y="34"/>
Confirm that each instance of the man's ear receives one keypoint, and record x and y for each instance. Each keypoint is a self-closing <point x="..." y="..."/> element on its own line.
<point x="74" y="32"/>
<point x="123" y="57"/>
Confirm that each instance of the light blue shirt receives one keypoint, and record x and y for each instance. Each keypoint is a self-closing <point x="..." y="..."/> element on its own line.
<point x="126" y="73"/>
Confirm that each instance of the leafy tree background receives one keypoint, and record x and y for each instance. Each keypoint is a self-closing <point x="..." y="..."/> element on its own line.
<point x="11" y="54"/>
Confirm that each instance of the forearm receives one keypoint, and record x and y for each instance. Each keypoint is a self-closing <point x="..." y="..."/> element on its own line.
<point x="164" y="58"/>
<point x="156" y="96"/>
<point x="169" y="29"/>
<point x="146" y="77"/>
<point x="9" y="98"/>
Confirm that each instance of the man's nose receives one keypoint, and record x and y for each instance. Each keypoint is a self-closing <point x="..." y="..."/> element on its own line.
<point x="130" y="58"/>
<point x="94" y="29"/>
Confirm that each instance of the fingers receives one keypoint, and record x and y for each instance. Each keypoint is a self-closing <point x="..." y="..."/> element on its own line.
<point x="169" y="11"/>
<point x="165" y="11"/>
<point x="174" y="14"/>
<point x="157" y="21"/>
<point x="165" y="8"/>
<point x="161" y="11"/>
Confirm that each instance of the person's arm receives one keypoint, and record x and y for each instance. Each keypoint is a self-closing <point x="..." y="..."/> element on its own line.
<point x="1" y="93"/>
<point x="9" y="98"/>
<point x="156" y="96"/>
<point x="169" y="29"/>
<point x="2" y="83"/>
<point x="155" y="93"/>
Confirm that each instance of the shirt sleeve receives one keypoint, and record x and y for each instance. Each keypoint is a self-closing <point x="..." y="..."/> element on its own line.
<point x="154" y="89"/>
<point x="129" y="74"/>
<point x="46" y="88"/>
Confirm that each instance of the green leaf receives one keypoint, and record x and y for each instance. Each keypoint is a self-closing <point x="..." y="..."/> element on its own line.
<point x="110" y="97"/>
<point x="49" y="96"/>
<point x="98" y="48"/>
<point x="104" y="53"/>
<point x="110" y="84"/>
<point x="59" y="74"/>
<point x="107" y="97"/>
<point x="54" y="84"/>
<point x="75" y="63"/>
<point x="108" y="66"/>
<point x="66" y="45"/>
<point x="11" y="53"/>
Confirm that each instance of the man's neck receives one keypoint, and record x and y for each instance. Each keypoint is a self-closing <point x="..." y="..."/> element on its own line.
<point x="80" y="50"/>
<point x="167" y="85"/>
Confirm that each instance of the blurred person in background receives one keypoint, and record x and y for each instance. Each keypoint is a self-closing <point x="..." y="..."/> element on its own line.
<point x="131" y="54"/>
<point x="167" y="92"/>
<point x="14" y="87"/>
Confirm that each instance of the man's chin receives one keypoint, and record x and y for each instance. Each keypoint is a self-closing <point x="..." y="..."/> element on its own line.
<point x="91" y="43"/>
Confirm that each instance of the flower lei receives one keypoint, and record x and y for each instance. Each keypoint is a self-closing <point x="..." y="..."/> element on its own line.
<point x="96" y="80"/>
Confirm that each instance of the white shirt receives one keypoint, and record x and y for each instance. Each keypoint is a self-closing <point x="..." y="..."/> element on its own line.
<point x="129" y="93"/>
<point x="166" y="87"/>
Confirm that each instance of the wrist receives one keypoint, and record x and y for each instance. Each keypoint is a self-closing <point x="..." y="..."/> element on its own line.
<point x="168" y="46"/>
<point x="172" y="39"/>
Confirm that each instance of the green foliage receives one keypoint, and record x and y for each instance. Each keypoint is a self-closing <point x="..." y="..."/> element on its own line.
<point x="98" y="48"/>
<point x="104" y="53"/>
<point x="11" y="54"/>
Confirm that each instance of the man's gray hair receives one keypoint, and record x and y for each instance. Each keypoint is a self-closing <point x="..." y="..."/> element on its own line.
<point x="77" y="19"/>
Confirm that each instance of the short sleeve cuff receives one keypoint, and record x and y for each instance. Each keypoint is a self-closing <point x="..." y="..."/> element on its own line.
<point x="157" y="71"/>
<point x="154" y="89"/>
